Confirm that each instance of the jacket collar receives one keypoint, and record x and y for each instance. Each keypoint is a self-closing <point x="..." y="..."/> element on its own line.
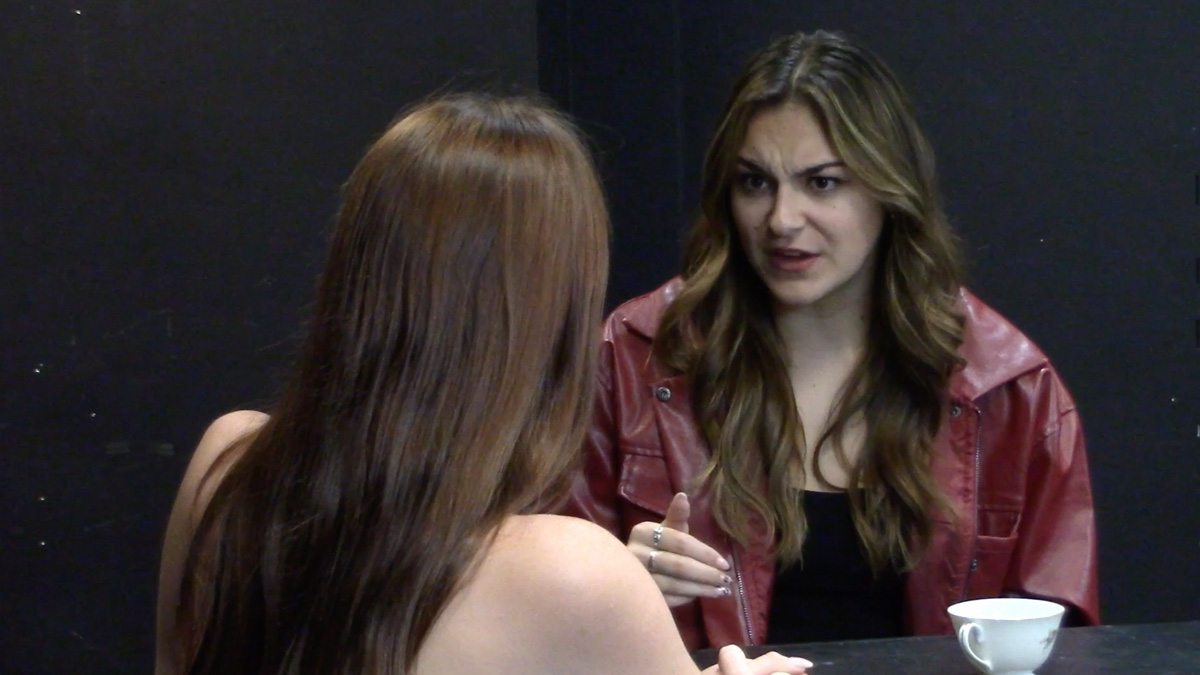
<point x="994" y="350"/>
<point x="642" y="314"/>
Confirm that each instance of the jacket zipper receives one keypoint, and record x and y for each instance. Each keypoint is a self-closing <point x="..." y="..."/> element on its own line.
<point x="975" y="535"/>
<point x="737" y="570"/>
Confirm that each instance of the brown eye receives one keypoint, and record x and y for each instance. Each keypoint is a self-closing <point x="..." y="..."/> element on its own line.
<point x="824" y="183"/>
<point x="752" y="182"/>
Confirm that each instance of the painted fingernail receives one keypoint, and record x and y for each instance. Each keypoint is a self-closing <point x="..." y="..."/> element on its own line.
<point x="723" y="563"/>
<point x="726" y="579"/>
<point x="800" y="663"/>
<point x="723" y="590"/>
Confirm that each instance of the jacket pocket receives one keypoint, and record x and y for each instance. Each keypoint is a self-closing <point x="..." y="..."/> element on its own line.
<point x="645" y="487"/>
<point x="998" y="523"/>
<point x="994" y="546"/>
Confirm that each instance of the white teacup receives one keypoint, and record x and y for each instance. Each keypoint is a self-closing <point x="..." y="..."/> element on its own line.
<point x="1006" y="636"/>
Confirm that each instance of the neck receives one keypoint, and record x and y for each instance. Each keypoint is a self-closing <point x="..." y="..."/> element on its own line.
<point x="825" y="333"/>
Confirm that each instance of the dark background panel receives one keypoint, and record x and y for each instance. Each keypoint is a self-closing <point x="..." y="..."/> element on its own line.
<point x="618" y="68"/>
<point x="1068" y="147"/>
<point x="168" y="172"/>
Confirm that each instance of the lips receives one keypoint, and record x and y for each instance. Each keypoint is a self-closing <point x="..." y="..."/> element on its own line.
<point x="791" y="260"/>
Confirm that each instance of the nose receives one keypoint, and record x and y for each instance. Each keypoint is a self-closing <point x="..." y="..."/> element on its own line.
<point x="789" y="212"/>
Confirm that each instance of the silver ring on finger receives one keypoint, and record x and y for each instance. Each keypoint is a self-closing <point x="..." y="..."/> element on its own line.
<point x="650" y="561"/>
<point x="658" y="532"/>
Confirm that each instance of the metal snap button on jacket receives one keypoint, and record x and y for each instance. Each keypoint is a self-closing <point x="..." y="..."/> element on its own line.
<point x="663" y="394"/>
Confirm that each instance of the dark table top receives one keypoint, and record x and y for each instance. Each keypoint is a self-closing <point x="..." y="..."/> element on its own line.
<point x="1158" y="648"/>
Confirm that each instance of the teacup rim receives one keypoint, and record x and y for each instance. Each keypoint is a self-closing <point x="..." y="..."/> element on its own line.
<point x="1051" y="609"/>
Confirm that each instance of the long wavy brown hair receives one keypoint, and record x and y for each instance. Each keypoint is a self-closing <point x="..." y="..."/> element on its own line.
<point x="720" y="329"/>
<point x="443" y="387"/>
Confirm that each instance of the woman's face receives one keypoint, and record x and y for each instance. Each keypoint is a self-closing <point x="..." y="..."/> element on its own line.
<point x="809" y="227"/>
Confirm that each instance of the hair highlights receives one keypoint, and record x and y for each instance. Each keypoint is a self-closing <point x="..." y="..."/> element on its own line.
<point x="720" y="329"/>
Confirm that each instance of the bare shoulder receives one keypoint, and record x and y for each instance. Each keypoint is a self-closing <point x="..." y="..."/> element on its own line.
<point x="196" y="489"/>
<point x="555" y="594"/>
<point x="563" y="554"/>
<point x="586" y="600"/>
<point x="237" y="423"/>
<point x="226" y="430"/>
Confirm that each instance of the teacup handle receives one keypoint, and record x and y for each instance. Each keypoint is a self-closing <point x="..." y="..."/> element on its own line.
<point x="967" y="633"/>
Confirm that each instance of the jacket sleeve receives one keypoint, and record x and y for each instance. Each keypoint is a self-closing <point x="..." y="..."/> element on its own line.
<point x="1055" y="556"/>
<point x="594" y="489"/>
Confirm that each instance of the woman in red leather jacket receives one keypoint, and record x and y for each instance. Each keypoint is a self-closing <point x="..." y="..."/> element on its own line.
<point x="817" y="432"/>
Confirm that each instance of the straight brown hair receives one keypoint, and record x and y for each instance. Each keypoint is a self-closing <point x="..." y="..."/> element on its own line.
<point x="720" y="329"/>
<point x="443" y="386"/>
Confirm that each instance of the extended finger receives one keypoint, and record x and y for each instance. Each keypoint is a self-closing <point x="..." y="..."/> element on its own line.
<point x="683" y="568"/>
<point x="686" y="591"/>
<point x="673" y="541"/>
<point x="678" y="513"/>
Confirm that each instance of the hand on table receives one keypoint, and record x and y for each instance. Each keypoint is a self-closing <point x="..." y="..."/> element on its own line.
<point x="731" y="660"/>
<point x="684" y="567"/>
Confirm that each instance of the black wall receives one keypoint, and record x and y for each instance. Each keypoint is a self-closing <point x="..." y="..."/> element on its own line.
<point x="168" y="172"/>
<point x="1069" y="154"/>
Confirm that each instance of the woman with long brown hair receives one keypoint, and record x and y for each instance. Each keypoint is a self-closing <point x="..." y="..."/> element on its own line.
<point x="378" y="521"/>
<point x="817" y="432"/>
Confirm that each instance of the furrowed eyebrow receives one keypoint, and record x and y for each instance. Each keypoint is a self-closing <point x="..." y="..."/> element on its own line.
<point x="747" y="164"/>
<point x="818" y="168"/>
<point x="803" y="173"/>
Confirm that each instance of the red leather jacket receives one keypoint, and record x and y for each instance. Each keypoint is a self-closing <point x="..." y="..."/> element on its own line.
<point x="1009" y="456"/>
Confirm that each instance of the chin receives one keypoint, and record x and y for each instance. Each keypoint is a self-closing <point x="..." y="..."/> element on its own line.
<point x="824" y="292"/>
<point x="796" y="298"/>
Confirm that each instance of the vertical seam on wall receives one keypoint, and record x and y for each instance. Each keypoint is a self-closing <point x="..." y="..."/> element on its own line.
<point x="570" y="65"/>
<point x="680" y="150"/>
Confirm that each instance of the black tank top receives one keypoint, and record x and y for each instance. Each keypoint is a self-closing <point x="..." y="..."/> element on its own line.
<point x="833" y="595"/>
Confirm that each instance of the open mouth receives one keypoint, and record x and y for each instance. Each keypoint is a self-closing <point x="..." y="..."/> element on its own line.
<point x="792" y="260"/>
